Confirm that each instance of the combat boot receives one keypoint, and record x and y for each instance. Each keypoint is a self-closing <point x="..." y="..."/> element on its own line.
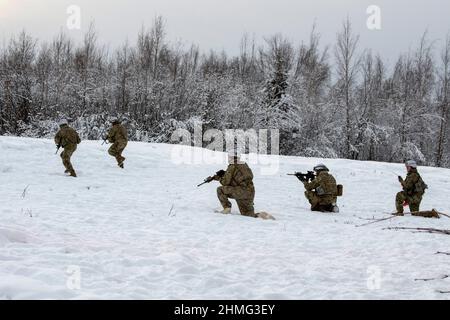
<point x="73" y="174"/>
<point x="226" y="211"/>
<point x="121" y="161"/>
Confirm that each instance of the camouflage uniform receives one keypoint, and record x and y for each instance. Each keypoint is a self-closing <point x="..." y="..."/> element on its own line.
<point x="237" y="183"/>
<point x="68" y="139"/>
<point x="322" y="192"/>
<point x="409" y="193"/>
<point x="118" y="136"/>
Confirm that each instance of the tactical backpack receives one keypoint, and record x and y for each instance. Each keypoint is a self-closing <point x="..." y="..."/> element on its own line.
<point x="340" y="190"/>
<point x="420" y="186"/>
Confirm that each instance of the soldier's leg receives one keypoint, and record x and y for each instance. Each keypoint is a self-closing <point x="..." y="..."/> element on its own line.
<point x="400" y="200"/>
<point x="247" y="208"/>
<point x="113" y="150"/>
<point x="63" y="159"/>
<point x="326" y="207"/>
<point x="66" y="155"/>
<point x="120" y="147"/>
<point x="414" y="205"/>
<point x="313" y="200"/>
<point x="224" y="193"/>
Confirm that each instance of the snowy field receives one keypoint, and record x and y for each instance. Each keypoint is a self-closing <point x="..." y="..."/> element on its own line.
<point x="147" y="232"/>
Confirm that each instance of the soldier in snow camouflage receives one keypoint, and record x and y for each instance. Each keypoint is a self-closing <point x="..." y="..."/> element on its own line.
<point x="322" y="191"/>
<point x="118" y="136"/>
<point x="413" y="189"/>
<point x="68" y="139"/>
<point x="237" y="183"/>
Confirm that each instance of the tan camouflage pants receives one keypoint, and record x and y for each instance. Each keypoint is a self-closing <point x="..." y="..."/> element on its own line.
<point x="320" y="203"/>
<point x="243" y="198"/>
<point x="413" y="202"/>
<point x="66" y="155"/>
<point x="116" y="150"/>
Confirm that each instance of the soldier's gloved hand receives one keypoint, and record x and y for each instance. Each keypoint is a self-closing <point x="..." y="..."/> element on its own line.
<point x="220" y="173"/>
<point x="400" y="179"/>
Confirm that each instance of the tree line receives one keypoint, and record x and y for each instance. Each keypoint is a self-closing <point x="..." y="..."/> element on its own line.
<point x="337" y="101"/>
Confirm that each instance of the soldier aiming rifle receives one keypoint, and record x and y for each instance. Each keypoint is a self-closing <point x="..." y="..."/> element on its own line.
<point x="304" y="177"/>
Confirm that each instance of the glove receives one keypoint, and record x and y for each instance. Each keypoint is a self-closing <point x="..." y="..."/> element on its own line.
<point x="220" y="173"/>
<point x="400" y="179"/>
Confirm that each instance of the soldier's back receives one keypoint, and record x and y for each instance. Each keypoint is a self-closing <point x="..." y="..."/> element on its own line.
<point x="328" y="183"/>
<point x="68" y="135"/>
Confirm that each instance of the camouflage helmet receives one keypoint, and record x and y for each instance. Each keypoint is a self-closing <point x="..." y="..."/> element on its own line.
<point x="321" y="167"/>
<point x="63" y="122"/>
<point x="411" y="163"/>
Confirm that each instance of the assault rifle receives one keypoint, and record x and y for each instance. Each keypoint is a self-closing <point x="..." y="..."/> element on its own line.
<point x="57" y="148"/>
<point x="304" y="177"/>
<point x="219" y="174"/>
<point x="104" y="137"/>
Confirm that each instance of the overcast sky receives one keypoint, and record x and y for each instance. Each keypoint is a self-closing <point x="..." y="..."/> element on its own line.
<point x="219" y="24"/>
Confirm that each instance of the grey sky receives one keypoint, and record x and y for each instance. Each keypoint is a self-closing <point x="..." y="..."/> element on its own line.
<point x="219" y="24"/>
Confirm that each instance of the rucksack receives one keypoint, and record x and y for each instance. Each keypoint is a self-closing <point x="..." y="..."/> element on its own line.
<point x="420" y="186"/>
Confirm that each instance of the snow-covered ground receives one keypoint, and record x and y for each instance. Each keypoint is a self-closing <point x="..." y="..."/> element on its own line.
<point x="147" y="232"/>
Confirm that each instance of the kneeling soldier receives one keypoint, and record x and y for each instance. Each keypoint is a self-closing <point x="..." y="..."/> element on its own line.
<point x="68" y="139"/>
<point x="413" y="189"/>
<point x="237" y="183"/>
<point x="322" y="192"/>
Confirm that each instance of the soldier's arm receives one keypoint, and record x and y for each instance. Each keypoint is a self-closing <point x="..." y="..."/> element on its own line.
<point x="125" y="133"/>
<point x="410" y="182"/>
<point x="78" y="138"/>
<point x="110" y="136"/>
<point x="226" y="180"/>
<point x="58" y="138"/>
<point x="249" y="174"/>
<point x="312" y="185"/>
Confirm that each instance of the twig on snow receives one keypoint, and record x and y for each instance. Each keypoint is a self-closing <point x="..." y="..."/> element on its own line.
<point x="433" y="279"/>
<point x="424" y="230"/>
<point x="446" y="253"/>
<point x="376" y="221"/>
<point x="24" y="193"/>
<point x="443" y="214"/>
<point x="170" y="212"/>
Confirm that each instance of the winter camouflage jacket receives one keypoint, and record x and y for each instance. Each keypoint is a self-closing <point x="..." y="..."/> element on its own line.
<point x="324" y="185"/>
<point x="238" y="175"/>
<point x="117" y="133"/>
<point x="66" y="137"/>
<point x="409" y="184"/>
